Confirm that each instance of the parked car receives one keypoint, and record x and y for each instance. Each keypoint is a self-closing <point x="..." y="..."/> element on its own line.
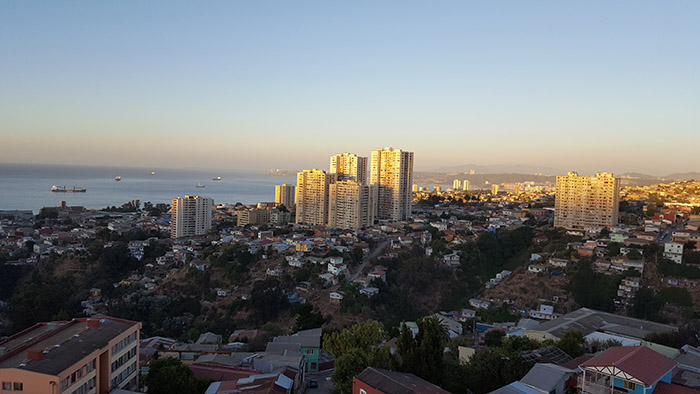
<point x="313" y="384"/>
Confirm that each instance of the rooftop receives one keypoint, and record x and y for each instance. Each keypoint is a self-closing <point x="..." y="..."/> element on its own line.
<point x="589" y="320"/>
<point x="63" y="343"/>
<point x="640" y="362"/>
<point x="390" y="382"/>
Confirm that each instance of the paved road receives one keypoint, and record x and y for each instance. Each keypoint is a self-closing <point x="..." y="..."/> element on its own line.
<point x="324" y="382"/>
<point x="377" y="251"/>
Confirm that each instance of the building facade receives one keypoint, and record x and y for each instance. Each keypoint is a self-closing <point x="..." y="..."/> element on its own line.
<point x="349" y="167"/>
<point x="285" y="195"/>
<point x="465" y="185"/>
<point x="456" y="185"/>
<point x="586" y="201"/>
<point x="82" y="356"/>
<point x="191" y="216"/>
<point x="351" y="205"/>
<point x="312" y="197"/>
<point x="392" y="173"/>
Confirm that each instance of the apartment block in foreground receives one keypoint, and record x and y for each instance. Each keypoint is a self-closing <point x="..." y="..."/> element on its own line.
<point x="351" y="205"/>
<point x="312" y="197"/>
<point x="81" y="356"/>
<point x="584" y="202"/>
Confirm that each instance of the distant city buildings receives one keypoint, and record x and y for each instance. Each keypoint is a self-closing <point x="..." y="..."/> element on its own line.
<point x="349" y="167"/>
<point x="586" y="201"/>
<point x="465" y="185"/>
<point x="285" y="195"/>
<point x="456" y="185"/>
<point x="312" y="197"/>
<point x="494" y="189"/>
<point x="191" y="216"/>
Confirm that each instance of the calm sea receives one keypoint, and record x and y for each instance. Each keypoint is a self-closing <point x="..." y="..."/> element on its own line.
<point x="29" y="186"/>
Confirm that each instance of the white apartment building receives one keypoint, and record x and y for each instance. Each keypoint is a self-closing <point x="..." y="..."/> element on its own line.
<point x="586" y="201"/>
<point x="391" y="171"/>
<point x="312" y="197"/>
<point x="456" y="185"/>
<point x="285" y="195"/>
<point x="349" y="167"/>
<point x="494" y="189"/>
<point x="191" y="216"/>
<point x="465" y="185"/>
<point x="351" y="205"/>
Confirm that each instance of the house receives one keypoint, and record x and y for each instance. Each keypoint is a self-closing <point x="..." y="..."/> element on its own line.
<point x="536" y="268"/>
<point x="208" y="337"/>
<point x="479" y="304"/>
<point x="276" y="271"/>
<point x="381" y="381"/>
<point x="451" y="260"/>
<point x="546" y="312"/>
<point x="369" y="291"/>
<point x="559" y="262"/>
<point x="631" y="369"/>
<point x="674" y="252"/>
<point x="222" y="293"/>
<point x="310" y="345"/>
<point x="327" y="278"/>
<point x="548" y="378"/>
<point x="335" y="267"/>
<point x="336" y="297"/>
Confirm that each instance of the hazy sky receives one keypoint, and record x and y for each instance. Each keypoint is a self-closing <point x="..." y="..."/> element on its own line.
<point x="586" y="85"/>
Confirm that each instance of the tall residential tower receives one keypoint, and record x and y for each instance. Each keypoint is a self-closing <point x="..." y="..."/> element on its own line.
<point x="586" y="201"/>
<point x="285" y="195"/>
<point x="191" y="216"/>
<point x="391" y="171"/>
<point x="312" y="197"/>
<point x="349" y="167"/>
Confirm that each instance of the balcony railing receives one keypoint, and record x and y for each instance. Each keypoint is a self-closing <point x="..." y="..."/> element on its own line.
<point x="590" y="386"/>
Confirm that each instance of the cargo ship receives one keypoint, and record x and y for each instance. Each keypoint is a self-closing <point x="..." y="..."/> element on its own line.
<point x="63" y="189"/>
<point x="216" y="178"/>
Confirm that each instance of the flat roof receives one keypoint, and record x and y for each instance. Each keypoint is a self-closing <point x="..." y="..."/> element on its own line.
<point x="63" y="343"/>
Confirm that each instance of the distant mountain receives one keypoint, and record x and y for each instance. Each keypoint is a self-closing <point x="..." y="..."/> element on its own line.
<point x="637" y="175"/>
<point x="683" y="176"/>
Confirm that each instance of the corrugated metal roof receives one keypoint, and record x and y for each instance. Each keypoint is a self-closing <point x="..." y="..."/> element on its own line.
<point x="390" y="382"/>
<point x="638" y="361"/>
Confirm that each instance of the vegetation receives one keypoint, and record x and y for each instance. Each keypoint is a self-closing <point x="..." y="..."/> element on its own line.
<point x="171" y="376"/>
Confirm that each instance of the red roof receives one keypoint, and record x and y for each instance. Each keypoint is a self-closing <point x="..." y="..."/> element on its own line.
<point x="670" y="388"/>
<point x="641" y="362"/>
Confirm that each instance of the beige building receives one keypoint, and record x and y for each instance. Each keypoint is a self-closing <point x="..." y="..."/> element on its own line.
<point x="349" y="167"/>
<point x="84" y="355"/>
<point x="312" y="197"/>
<point x="191" y="216"/>
<point x="351" y="205"/>
<point x="392" y="171"/>
<point x="465" y="185"/>
<point x="586" y="201"/>
<point x="494" y="189"/>
<point x="456" y="185"/>
<point x="285" y="195"/>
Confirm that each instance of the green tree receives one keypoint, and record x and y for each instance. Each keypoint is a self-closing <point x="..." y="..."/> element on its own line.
<point x="493" y="368"/>
<point x="169" y="375"/>
<point x="364" y="336"/>
<point x="494" y="338"/>
<point x="348" y="366"/>
<point x="423" y="355"/>
<point x="646" y="305"/>
<point x="572" y="343"/>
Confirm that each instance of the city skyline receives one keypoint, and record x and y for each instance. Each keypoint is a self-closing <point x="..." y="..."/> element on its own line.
<point x="587" y="87"/>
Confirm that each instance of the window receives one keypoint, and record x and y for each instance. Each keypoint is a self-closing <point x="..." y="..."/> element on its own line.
<point x="362" y="391"/>
<point x="18" y="386"/>
<point x="630" y="385"/>
<point x="6" y="386"/>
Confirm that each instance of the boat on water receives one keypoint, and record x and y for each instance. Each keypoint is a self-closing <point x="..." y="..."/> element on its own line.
<point x="153" y="172"/>
<point x="56" y="189"/>
<point x="217" y="178"/>
<point x="199" y="185"/>
<point x="117" y="178"/>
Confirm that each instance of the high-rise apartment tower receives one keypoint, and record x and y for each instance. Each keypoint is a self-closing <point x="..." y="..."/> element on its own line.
<point x="391" y="170"/>
<point x="285" y="195"/>
<point x="191" y="216"/>
<point x="351" y="205"/>
<point x="312" y="197"/>
<point x="586" y="201"/>
<point x="349" y="167"/>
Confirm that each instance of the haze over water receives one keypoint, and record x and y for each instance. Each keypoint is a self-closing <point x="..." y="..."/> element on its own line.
<point x="28" y="186"/>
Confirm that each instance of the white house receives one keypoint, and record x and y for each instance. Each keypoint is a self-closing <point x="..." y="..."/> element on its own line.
<point x="536" y="268"/>
<point x="336" y="269"/>
<point x="369" y="291"/>
<point x="451" y="259"/>
<point x="479" y="304"/>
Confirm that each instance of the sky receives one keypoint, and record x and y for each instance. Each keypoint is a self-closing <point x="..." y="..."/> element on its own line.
<point x="248" y="85"/>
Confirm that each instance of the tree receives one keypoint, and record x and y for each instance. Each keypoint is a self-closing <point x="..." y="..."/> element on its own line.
<point x="493" y="368"/>
<point x="268" y="299"/>
<point x="364" y="336"/>
<point x="646" y="305"/>
<point x="572" y="343"/>
<point x="348" y="366"/>
<point x="169" y="375"/>
<point x="307" y="318"/>
<point x="494" y="338"/>
<point x="423" y="355"/>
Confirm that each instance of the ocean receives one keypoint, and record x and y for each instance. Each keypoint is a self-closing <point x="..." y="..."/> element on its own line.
<point x="26" y="186"/>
